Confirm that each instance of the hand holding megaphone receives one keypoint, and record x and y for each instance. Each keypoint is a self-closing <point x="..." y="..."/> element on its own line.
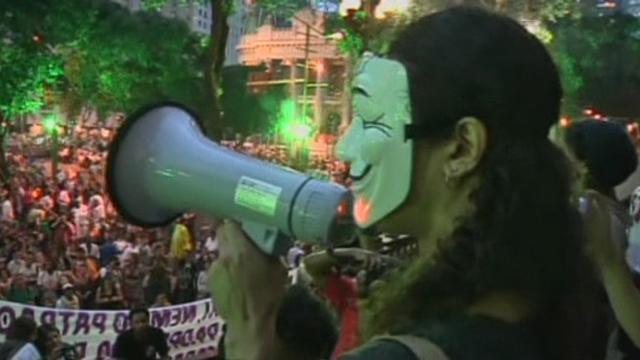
<point x="160" y="165"/>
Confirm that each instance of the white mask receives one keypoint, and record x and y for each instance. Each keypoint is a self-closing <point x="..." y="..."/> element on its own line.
<point x="375" y="143"/>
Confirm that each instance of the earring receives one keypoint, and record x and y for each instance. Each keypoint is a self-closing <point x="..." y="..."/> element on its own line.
<point x="450" y="175"/>
<point x="447" y="178"/>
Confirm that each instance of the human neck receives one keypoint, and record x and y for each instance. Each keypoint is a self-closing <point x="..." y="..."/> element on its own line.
<point x="506" y="305"/>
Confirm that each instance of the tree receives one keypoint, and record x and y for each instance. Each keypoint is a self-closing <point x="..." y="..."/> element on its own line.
<point x="120" y="65"/>
<point x="241" y="107"/>
<point x="29" y="67"/>
<point x="214" y="54"/>
<point x="364" y="32"/>
<point x="599" y="58"/>
<point x="92" y="52"/>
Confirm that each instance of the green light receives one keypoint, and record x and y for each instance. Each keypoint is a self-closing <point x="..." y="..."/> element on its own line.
<point x="293" y="128"/>
<point x="300" y="131"/>
<point x="50" y="124"/>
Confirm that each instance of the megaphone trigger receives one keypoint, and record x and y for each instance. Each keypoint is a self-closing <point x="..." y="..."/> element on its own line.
<point x="267" y="238"/>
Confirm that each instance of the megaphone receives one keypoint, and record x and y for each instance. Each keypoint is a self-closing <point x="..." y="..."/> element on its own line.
<point x="160" y="165"/>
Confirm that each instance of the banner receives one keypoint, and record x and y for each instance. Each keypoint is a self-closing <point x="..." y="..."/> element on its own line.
<point x="193" y="329"/>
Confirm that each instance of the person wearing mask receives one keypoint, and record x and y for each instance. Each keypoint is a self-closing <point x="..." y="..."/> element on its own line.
<point x="449" y="143"/>
<point x="19" y="340"/>
<point x="142" y="341"/>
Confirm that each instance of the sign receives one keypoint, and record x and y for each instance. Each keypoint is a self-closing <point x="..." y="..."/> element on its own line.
<point x="193" y="329"/>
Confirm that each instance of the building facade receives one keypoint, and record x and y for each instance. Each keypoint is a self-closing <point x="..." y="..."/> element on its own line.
<point x="301" y="58"/>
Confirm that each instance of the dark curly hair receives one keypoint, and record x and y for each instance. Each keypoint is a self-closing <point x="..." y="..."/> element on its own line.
<point x="524" y="235"/>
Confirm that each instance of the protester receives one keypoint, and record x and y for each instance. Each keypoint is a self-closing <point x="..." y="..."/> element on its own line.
<point x="605" y="157"/>
<point x="68" y="299"/>
<point x="449" y="143"/>
<point x="50" y="345"/>
<point x="20" y="338"/>
<point x="142" y="341"/>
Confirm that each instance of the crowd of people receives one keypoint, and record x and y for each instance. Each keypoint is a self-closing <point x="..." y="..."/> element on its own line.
<point x="62" y="244"/>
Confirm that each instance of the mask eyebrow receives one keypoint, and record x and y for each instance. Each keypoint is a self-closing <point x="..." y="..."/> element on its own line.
<point x="360" y="90"/>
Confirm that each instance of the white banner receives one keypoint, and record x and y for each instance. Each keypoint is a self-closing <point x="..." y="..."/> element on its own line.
<point x="193" y="329"/>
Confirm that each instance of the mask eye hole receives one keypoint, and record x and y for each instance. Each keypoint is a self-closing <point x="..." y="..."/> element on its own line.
<point x="376" y="124"/>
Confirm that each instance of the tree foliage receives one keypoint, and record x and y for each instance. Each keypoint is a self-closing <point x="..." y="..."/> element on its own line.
<point x="94" y="53"/>
<point x="28" y="68"/>
<point x="599" y="58"/>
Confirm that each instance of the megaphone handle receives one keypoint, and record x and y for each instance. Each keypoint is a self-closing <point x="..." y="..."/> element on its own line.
<point x="269" y="239"/>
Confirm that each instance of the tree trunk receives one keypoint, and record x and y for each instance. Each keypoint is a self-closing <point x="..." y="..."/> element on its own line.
<point x="4" y="164"/>
<point x="214" y="61"/>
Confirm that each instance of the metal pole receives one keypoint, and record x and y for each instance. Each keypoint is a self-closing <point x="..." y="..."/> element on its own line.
<point x="306" y="71"/>
<point x="54" y="153"/>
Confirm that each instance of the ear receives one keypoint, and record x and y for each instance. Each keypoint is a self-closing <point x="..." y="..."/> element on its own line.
<point x="467" y="147"/>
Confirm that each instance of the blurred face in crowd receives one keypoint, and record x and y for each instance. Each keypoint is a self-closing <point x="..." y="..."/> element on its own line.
<point x="140" y="323"/>
<point x="54" y="339"/>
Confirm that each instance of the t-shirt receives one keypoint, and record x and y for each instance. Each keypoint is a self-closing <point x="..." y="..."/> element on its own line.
<point x="91" y="249"/>
<point x="181" y="242"/>
<point x="7" y="211"/>
<point x="108" y="252"/>
<point x="342" y="292"/>
<point x="49" y="281"/>
<point x="129" y="347"/>
<point x="27" y="352"/>
<point x="461" y="337"/>
<point x="66" y="303"/>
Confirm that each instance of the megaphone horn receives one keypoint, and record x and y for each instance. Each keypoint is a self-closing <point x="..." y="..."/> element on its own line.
<point x="160" y="165"/>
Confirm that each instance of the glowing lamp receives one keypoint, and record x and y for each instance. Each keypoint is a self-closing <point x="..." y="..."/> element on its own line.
<point x="565" y="121"/>
<point x="300" y="131"/>
<point x="50" y="124"/>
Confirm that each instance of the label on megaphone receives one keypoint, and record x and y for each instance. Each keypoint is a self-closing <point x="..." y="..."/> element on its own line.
<point x="257" y="195"/>
<point x="160" y="165"/>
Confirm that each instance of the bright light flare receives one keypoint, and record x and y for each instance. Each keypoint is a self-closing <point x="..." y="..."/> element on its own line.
<point x="391" y="7"/>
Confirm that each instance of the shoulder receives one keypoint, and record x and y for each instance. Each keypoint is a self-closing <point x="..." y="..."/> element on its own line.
<point x="381" y="350"/>
<point x="125" y="336"/>
<point x="158" y="332"/>
<point x="27" y="352"/>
